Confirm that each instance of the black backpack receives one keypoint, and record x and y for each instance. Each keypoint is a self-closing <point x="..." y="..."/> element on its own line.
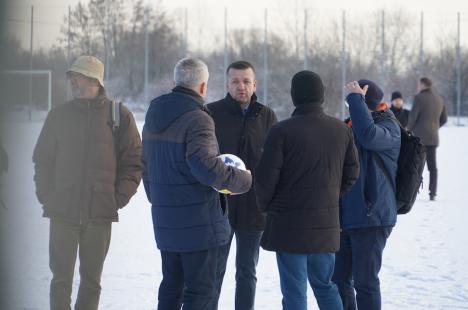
<point x="411" y="163"/>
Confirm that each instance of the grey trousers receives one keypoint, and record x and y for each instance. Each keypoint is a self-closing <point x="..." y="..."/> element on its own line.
<point x="92" y="242"/>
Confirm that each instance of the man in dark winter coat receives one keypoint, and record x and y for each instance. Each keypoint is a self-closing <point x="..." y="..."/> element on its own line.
<point x="180" y="171"/>
<point x="368" y="211"/>
<point x="241" y="126"/>
<point x="307" y="162"/>
<point x="426" y="117"/>
<point x="84" y="173"/>
<point x="401" y="113"/>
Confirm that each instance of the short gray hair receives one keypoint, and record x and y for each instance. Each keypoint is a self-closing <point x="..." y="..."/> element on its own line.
<point x="190" y="72"/>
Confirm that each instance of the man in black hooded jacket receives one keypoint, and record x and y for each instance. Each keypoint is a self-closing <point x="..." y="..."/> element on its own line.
<point x="307" y="162"/>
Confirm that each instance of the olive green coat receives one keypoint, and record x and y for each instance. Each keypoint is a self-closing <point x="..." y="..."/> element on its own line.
<point x="427" y="116"/>
<point x="77" y="173"/>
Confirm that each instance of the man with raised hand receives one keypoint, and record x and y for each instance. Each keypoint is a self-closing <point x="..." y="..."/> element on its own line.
<point x="368" y="211"/>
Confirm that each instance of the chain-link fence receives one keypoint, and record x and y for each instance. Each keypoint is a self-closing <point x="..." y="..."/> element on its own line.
<point x="140" y="44"/>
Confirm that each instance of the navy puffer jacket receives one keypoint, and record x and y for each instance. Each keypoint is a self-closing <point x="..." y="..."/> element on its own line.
<point x="371" y="201"/>
<point x="180" y="169"/>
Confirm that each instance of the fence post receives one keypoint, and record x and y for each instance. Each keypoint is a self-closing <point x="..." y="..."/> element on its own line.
<point x="225" y="50"/>
<point x="146" y="56"/>
<point x="265" y="60"/>
<point x="31" y="62"/>
<point x="458" y="71"/>
<point x="343" y="66"/>
<point x="306" y="43"/>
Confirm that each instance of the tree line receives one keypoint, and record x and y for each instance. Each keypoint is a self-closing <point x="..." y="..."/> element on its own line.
<point x="117" y="32"/>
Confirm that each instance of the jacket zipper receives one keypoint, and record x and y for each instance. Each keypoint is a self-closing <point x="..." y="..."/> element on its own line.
<point x="242" y="137"/>
<point x="85" y="159"/>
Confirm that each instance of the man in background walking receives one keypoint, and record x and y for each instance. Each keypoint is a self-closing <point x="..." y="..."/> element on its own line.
<point x="426" y="117"/>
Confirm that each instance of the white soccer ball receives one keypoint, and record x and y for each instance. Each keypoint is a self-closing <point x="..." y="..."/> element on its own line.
<point x="234" y="161"/>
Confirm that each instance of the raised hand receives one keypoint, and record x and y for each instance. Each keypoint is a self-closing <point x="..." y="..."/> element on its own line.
<point x="354" y="88"/>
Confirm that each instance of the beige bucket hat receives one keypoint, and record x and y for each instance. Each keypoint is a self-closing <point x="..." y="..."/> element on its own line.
<point x="90" y="67"/>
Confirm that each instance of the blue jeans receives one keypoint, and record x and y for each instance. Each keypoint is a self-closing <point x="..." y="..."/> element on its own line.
<point x="295" y="269"/>
<point x="248" y="245"/>
<point x="358" y="265"/>
<point x="189" y="279"/>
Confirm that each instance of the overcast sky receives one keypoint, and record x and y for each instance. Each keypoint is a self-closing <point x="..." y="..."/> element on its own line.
<point x="450" y="5"/>
<point x="49" y="13"/>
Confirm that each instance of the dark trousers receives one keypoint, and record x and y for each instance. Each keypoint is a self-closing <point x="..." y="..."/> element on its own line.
<point x="432" y="167"/>
<point x="295" y="269"/>
<point x="92" y="242"/>
<point x="247" y="254"/>
<point x="188" y="280"/>
<point x="357" y="267"/>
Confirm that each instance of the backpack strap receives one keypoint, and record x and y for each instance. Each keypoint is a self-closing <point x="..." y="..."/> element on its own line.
<point x="381" y="165"/>
<point x="387" y="115"/>
<point x="115" y="116"/>
<point x="376" y="156"/>
<point x="114" y="111"/>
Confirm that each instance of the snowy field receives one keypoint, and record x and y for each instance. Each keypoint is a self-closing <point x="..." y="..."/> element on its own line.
<point x="425" y="263"/>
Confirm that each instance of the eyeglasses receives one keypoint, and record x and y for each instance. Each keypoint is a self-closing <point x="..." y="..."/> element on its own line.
<point x="74" y="75"/>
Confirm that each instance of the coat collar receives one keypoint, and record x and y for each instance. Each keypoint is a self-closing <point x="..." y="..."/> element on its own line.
<point x="307" y="108"/>
<point x="95" y="103"/>
<point x="234" y="106"/>
<point x="188" y="92"/>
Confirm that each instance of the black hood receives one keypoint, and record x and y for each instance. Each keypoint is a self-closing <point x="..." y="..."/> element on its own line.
<point x="165" y="109"/>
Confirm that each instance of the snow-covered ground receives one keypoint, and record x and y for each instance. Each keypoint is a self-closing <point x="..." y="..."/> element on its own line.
<point x="425" y="263"/>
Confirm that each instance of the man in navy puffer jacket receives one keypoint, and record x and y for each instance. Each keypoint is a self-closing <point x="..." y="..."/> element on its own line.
<point x="180" y="170"/>
<point x="368" y="211"/>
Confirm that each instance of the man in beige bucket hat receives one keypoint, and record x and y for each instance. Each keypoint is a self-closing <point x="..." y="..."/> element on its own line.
<point x="87" y="167"/>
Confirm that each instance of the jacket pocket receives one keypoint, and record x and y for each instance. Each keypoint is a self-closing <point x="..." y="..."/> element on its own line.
<point x="103" y="202"/>
<point x="60" y="201"/>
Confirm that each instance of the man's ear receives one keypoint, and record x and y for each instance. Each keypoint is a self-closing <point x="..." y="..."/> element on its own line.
<point x="364" y="89"/>
<point x="203" y="89"/>
<point x="95" y="82"/>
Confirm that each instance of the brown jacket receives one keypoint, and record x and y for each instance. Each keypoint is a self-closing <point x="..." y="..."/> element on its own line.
<point x="427" y="116"/>
<point x="77" y="173"/>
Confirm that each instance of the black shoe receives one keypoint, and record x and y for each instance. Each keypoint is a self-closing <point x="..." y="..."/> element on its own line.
<point x="432" y="197"/>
